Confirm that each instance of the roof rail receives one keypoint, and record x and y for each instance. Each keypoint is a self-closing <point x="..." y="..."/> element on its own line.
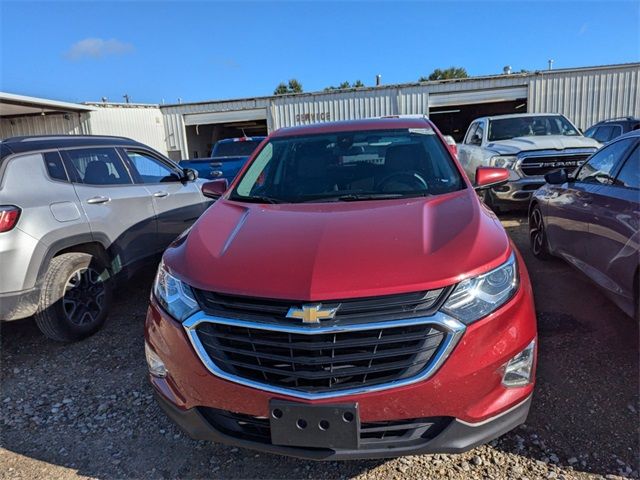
<point x="31" y="138"/>
<point x="618" y="118"/>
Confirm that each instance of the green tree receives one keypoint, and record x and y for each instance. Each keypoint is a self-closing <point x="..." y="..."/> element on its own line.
<point x="293" y="86"/>
<point x="281" y="89"/>
<point x="451" y="72"/>
<point x="344" y="85"/>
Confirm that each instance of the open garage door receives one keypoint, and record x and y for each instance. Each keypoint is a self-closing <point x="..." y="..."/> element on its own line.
<point x="205" y="129"/>
<point x="453" y="112"/>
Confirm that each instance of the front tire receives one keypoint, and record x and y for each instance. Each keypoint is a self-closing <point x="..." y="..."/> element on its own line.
<point x="75" y="298"/>
<point x="537" y="235"/>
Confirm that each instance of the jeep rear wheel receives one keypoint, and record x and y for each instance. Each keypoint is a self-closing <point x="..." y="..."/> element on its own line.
<point x="75" y="298"/>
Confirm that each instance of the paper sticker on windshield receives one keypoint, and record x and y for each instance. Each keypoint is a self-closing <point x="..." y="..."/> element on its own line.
<point x="422" y="131"/>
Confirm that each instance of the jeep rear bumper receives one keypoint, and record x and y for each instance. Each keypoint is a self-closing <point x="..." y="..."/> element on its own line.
<point x="17" y="305"/>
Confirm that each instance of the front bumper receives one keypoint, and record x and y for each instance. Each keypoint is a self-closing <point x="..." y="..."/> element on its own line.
<point x="517" y="191"/>
<point x="457" y="437"/>
<point x="466" y="390"/>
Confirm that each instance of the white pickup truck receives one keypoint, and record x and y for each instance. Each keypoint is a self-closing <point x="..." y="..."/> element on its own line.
<point x="529" y="145"/>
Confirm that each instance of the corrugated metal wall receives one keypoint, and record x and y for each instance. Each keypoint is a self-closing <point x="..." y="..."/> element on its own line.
<point x="587" y="97"/>
<point x="175" y="133"/>
<point x="142" y="123"/>
<point x="584" y="95"/>
<point x="305" y="109"/>
<point x="50" y="124"/>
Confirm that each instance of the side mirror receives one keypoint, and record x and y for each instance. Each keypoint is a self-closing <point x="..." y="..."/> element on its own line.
<point x="488" y="177"/>
<point x="189" y="174"/>
<point x="215" y="188"/>
<point x="557" y="177"/>
<point x="476" y="139"/>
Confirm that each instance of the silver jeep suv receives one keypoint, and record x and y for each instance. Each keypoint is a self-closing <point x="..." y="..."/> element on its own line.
<point x="77" y="213"/>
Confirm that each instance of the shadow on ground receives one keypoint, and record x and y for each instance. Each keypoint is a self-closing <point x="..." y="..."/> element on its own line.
<point x="88" y="406"/>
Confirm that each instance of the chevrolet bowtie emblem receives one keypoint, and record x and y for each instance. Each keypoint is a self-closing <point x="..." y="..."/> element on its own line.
<point x="312" y="313"/>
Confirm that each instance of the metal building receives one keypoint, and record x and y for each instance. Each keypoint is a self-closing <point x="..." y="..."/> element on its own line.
<point x="584" y="95"/>
<point x="22" y="115"/>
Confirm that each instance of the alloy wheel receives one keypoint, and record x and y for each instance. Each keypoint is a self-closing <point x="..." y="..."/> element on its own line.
<point x="83" y="297"/>
<point x="536" y="231"/>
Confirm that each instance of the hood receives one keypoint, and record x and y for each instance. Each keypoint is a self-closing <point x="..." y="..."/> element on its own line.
<point x="313" y="252"/>
<point x="546" y="142"/>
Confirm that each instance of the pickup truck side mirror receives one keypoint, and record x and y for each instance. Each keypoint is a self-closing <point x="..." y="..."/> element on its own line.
<point x="189" y="174"/>
<point x="557" y="177"/>
<point x="476" y="139"/>
<point x="488" y="177"/>
<point x="215" y="188"/>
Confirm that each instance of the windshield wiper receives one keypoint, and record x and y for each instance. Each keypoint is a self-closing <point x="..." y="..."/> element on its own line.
<point x="255" y="199"/>
<point x="356" y="197"/>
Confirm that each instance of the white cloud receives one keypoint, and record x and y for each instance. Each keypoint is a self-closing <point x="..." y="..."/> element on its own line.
<point x="97" y="48"/>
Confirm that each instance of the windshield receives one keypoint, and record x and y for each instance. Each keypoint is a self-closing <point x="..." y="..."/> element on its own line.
<point x="506" y="128"/>
<point x="240" y="148"/>
<point x="349" y="166"/>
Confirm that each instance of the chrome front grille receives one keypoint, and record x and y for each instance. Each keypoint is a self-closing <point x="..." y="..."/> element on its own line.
<point x="541" y="164"/>
<point x="323" y="361"/>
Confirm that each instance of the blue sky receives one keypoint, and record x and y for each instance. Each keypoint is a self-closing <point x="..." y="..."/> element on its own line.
<point x="82" y="51"/>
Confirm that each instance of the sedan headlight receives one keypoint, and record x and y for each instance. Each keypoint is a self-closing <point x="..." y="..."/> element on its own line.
<point x="175" y="296"/>
<point x="503" y="161"/>
<point x="477" y="297"/>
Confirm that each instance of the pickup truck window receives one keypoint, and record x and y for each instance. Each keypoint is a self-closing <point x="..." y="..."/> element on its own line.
<point x="349" y="166"/>
<point x="235" y="149"/>
<point x="470" y="133"/>
<point x="535" y="125"/>
<point x="478" y="135"/>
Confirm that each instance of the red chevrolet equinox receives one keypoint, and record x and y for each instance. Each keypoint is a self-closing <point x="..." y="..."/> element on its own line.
<point x="347" y="296"/>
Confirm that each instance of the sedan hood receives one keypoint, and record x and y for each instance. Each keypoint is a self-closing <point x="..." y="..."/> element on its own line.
<point x="325" y="251"/>
<point x="547" y="142"/>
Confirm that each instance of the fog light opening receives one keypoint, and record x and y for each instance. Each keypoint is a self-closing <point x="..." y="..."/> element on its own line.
<point x="519" y="369"/>
<point x="155" y="365"/>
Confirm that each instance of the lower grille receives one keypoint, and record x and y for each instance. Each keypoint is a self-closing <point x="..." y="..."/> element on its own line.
<point x="321" y="362"/>
<point x="395" y="433"/>
<point x="541" y="165"/>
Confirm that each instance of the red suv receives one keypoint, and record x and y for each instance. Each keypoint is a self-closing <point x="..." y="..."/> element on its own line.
<point x="348" y="296"/>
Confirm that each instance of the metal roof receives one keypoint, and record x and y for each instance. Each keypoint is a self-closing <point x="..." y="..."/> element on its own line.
<point x="522" y="75"/>
<point x="15" y="105"/>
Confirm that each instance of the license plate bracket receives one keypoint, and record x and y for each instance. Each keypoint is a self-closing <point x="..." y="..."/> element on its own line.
<point x="321" y="426"/>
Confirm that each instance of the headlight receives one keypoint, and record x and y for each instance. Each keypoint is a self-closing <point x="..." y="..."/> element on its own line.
<point x="173" y="295"/>
<point x="503" y="161"/>
<point x="477" y="297"/>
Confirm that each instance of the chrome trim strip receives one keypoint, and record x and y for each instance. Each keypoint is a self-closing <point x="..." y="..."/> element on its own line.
<point x="454" y="328"/>
<point x="491" y="419"/>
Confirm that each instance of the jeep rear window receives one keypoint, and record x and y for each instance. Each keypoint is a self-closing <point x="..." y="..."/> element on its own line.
<point x="350" y="166"/>
<point x="537" y="125"/>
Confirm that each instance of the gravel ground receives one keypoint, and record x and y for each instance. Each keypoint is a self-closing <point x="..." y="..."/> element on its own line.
<point x="86" y="411"/>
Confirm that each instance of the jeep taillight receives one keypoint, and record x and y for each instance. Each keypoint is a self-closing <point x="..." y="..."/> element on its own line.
<point x="9" y="216"/>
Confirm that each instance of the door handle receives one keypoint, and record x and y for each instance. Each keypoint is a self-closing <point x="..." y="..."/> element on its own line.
<point x="96" y="200"/>
<point x="161" y="194"/>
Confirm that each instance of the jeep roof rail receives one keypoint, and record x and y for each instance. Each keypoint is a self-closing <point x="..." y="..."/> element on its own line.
<point x="35" y="138"/>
